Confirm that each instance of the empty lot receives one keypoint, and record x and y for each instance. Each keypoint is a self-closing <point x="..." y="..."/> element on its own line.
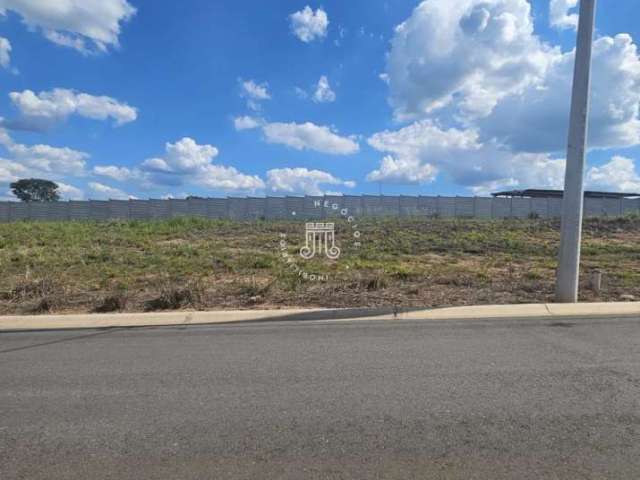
<point x="208" y="264"/>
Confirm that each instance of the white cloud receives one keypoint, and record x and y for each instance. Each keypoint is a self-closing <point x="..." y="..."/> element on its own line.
<point x="187" y="156"/>
<point x="109" y="193"/>
<point x="45" y="158"/>
<point x="302" y="181"/>
<point x="5" y="53"/>
<point x="490" y="101"/>
<point x="422" y="136"/>
<point x="323" y="93"/>
<point x="229" y="179"/>
<point x="157" y="165"/>
<point x="38" y="161"/>
<point x="619" y="174"/>
<point x="187" y="161"/>
<point x="559" y="16"/>
<point x="467" y="55"/>
<point x="246" y="123"/>
<point x="69" y="192"/>
<point x="308" y="136"/>
<point x="10" y="171"/>
<point x="301" y="93"/>
<point x="416" y="150"/>
<point x="254" y="93"/>
<point x="56" y="105"/>
<point x="308" y="25"/>
<point x="537" y="120"/>
<point x="87" y="25"/>
<point x="419" y="153"/>
<point x="403" y="170"/>
<point x="120" y="174"/>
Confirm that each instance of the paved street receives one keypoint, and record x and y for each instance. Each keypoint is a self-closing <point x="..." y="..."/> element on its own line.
<point x="526" y="399"/>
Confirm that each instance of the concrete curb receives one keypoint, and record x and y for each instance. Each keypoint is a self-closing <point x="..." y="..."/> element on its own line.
<point x="122" y="320"/>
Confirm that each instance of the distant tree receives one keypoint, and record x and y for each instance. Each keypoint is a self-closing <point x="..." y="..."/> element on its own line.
<point x="35" y="190"/>
<point x="194" y="197"/>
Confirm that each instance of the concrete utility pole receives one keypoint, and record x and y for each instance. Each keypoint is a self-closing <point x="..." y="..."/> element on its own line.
<point x="573" y="199"/>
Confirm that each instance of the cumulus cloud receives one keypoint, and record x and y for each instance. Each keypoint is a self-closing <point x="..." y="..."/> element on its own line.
<point x="50" y="159"/>
<point x="403" y="170"/>
<point x="414" y="151"/>
<point x="477" y="67"/>
<point x="48" y="107"/>
<point x="559" y="16"/>
<point x="467" y="55"/>
<point x="324" y="93"/>
<point x="10" y="171"/>
<point x="69" y="192"/>
<point x="251" y="89"/>
<point x="44" y="158"/>
<point x="424" y="136"/>
<point x="418" y="153"/>
<point x="619" y="174"/>
<point x="302" y="181"/>
<point x="246" y="123"/>
<point x="537" y="120"/>
<point x="187" y="156"/>
<point x="40" y="161"/>
<point x="5" y="53"/>
<point x="254" y="93"/>
<point x="308" y="136"/>
<point x="187" y="161"/>
<point x="229" y="179"/>
<point x="308" y="25"/>
<point x="120" y="174"/>
<point x="87" y="26"/>
<point x="108" y="193"/>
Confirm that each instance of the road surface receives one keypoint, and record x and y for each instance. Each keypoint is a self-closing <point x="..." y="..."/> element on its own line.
<point x="525" y="399"/>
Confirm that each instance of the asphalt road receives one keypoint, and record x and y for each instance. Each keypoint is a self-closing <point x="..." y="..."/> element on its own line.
<point x="369" y="400"/>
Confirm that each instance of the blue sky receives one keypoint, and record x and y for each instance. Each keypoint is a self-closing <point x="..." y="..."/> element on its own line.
<point x="154" y="99"/>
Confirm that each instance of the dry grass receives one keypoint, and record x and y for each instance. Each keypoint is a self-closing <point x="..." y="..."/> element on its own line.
<point x="204" y="264"/>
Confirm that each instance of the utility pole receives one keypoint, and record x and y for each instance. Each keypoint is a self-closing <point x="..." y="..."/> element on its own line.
<point x="573" y="198"/>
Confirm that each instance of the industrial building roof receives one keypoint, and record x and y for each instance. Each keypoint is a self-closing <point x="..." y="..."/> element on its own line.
<point x="537" y="193"/>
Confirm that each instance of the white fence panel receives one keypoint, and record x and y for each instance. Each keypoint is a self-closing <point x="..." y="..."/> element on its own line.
<point x="540" y="207"/>
<point x="353" y="204"/>
<point x="159" y="209"/>
<point x="408" y="206"/>
<point x="99" y="210"/>
<point x="4" y="211"/>
<point x="465" y="207"/>
<point x="276" y="208"/>
<point x="501" y="208"/>
<point x="197" y="207"/>
<point x="310" y="207"/>
<point x="593" y="207"/>
<point x="611" y="207"/>
<point x="520" y="207"/>
<point x="118" y="209"/>
<point x="139" y="209"/>
<point x="59" y="211"/>
<point x="630" y="205"/>
<point x="482" y="207"/>
<point x="447" y="206"/>
<point x="78" y="210"/>
<point x="217" y="208"/>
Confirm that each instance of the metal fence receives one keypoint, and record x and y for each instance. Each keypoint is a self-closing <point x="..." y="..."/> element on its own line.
<point x="309" y="208"/>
